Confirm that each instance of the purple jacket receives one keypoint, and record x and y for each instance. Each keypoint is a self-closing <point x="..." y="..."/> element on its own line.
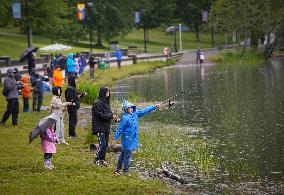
<point x="48" y="141"/>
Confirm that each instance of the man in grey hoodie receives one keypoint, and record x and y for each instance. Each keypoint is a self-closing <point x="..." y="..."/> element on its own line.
<point x="11" y="86"/>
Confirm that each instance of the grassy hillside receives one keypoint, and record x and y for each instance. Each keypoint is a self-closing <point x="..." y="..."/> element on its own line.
<point x="12" y="43"/>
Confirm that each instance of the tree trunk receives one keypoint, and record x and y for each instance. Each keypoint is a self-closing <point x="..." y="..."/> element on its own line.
<point x="196" y="30"/>
<point x="99" y="43"/>
<point x="254" y="39"/>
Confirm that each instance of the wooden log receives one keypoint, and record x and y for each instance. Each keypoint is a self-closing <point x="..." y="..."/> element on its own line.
<point x="110" y="148"/>
<point x="172" y="175"/>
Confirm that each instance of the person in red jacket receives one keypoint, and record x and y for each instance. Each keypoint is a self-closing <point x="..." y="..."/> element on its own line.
<point x="26" y="93"/>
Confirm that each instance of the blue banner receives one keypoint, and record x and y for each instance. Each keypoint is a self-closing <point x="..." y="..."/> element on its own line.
<point x="137" y="17"/>
<point x="17" y="10"/>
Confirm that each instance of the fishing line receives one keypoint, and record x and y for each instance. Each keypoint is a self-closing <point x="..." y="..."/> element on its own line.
<point x="211" y="76"/>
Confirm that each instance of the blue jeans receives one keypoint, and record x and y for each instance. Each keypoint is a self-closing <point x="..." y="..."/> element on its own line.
<point x="103" y="143"/>
<point x="124" y="158"/>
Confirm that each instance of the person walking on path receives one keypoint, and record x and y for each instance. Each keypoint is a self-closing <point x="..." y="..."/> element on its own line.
<point x="72" y="95"/>
<point x="118" y="55"/>
<point x="101" y="118"/>
<point x="107" y="59"/>
<point x="201" y="58"/>
<point x="71" y="68"/>
<point x="48" y="141"/>
<point x="26" y="93"/>
<point x="10" y="91"/>
<point x="58" y="79"/>
<point x="198" y="52"/>
<point x="58" y="108"/>
<point x="92" y="66"/>
<point x="128" y="130"/>
<point x="38" y="87"/>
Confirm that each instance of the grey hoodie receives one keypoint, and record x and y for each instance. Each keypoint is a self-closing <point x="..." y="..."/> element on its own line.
<point x="10" y="84"/>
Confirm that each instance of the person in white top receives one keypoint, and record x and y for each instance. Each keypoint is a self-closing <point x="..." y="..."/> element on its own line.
<point x="201" y="58"/>
<point x="58" y="108"/>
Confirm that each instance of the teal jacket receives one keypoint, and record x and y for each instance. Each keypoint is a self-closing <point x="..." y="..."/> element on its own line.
<point x="128" y="128"/>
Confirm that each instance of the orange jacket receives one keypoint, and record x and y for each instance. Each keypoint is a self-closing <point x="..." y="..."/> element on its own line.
<point x="26" y="91"/>
<point x="58" y="79"/>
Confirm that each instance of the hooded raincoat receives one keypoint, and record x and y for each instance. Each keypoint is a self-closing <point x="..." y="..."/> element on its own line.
<point x="128" y="127"/>
<point x="71" y="68"/>
<point x="101" y="113"/>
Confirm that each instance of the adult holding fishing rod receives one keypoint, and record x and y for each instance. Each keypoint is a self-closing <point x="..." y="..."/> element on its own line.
<point x="72" y="95"/>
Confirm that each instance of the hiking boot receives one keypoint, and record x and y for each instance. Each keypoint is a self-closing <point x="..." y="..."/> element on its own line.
<point x="104" y="163"/>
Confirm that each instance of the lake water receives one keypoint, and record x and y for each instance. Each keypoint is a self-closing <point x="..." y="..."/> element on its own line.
<point x="240" y="106"/>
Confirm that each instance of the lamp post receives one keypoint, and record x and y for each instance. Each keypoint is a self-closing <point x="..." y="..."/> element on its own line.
<point x="29" y="28"/>
<point x="90" y="5"/>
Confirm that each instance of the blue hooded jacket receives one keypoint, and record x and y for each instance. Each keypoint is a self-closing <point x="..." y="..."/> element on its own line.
<point x="118" y="54"/>
<point x="128" y="127"/>
<point x="70" y="64"/>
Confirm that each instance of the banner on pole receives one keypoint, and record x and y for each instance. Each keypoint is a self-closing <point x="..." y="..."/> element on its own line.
<point x="204" y="16"/>
<point x="17" y="10"/>
<point x="81" y="12"/>
<point x="137" y="17"/>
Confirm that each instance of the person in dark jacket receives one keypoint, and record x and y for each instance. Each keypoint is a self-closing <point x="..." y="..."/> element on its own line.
<point x="72" y="95"/>
<point x="12" y="88"/>
<point x="101" y="118"/>
<point x="38" y="86"/>
<point x="17" y="74"/>
<point x="31" y="62"/>
<point x="92" y="63"/>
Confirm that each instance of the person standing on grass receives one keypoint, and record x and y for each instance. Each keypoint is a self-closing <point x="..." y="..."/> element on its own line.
<point x="37" y="82"/>
<point x="128" y="130"/>
<point x="101" y="118"/>
<point x="72" y="95"/>
<point x="31" y="62"/>
<point x="58" y="108"/>
<point x="48" y="141"/>
<point x="10" y="91"/>
<point x="92" y="63"/>
<point x="26" y="92"/>
<point x="70" y="64"/>
<point x="118" y="55"/>
<point x="58" y="79"/>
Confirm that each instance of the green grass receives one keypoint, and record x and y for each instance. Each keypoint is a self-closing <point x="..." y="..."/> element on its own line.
<point x="13" y="43"/>
<point x="238" y="57"/>
<point x="21" y="164"/>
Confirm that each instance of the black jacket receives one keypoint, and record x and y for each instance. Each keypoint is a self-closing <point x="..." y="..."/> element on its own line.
<point x="71" y="94"/>
<point x="101" y="113"/>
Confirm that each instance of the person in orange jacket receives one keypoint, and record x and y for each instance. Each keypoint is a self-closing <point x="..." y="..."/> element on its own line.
<point x="58" y="79"/>
<point x="26" y="93"/>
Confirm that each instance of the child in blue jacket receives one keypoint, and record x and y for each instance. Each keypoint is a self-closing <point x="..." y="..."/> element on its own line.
<point x="128" y="130"/>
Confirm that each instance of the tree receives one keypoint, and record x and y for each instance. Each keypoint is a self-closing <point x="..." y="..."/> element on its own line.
<point x="5" y="12"/>
<point x="254" y="18"/>
<point x="190" y="12"/>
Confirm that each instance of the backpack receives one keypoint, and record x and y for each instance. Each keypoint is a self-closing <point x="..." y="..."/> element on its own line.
<point x="5" y="92"/>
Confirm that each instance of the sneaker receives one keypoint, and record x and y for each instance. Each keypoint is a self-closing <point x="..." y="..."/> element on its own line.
<point x="97" y="162"/>
<point x="126" y="174"/>
<point x="117" y="172"/>
<point x="47" y="165"/>
<point x="104" y="163"/>
<point x="64" y="142"/>
<point x="2" y="124"/>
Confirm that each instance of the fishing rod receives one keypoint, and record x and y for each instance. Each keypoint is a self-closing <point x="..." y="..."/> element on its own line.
<point x="171" y="103"/>
<point x="87" y="85"/>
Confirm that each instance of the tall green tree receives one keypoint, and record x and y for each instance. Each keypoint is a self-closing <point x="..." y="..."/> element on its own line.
<point x="190" y="12"/>
<point x="253" y="18"/>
